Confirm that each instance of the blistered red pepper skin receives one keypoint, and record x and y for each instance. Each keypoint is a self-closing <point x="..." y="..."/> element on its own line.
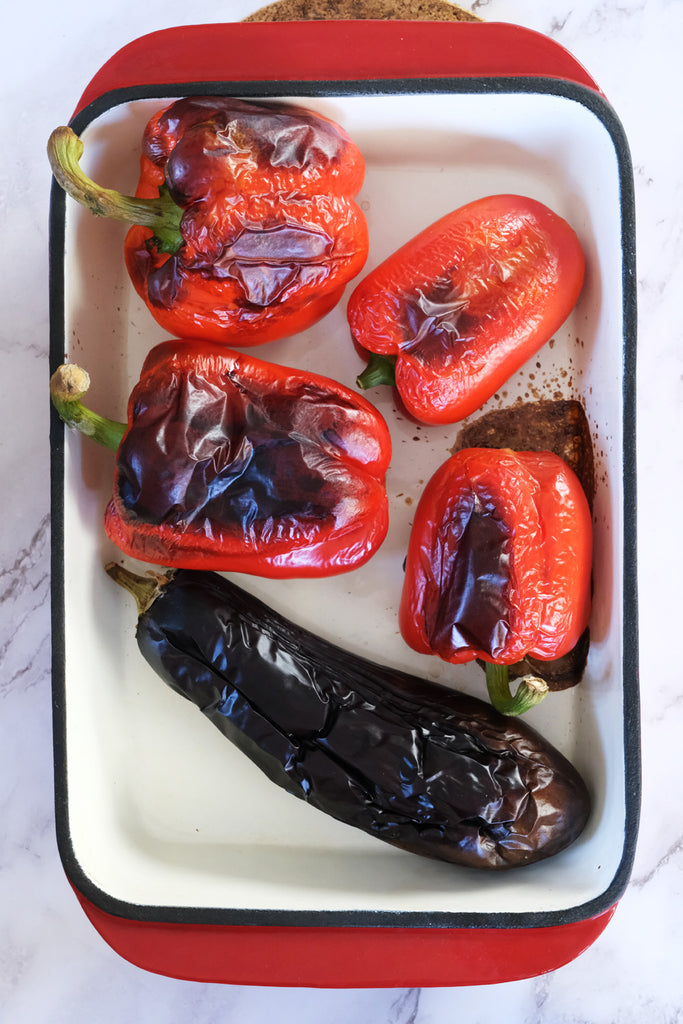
<point x="232" y="463"/>
<point x="499" y="559"/>
<point x="271" y="231"/>
<point x="467" y="301"/>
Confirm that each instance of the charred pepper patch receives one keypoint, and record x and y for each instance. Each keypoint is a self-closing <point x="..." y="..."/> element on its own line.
<point x="245" y="221"/>
<point x="458" y="309"/>
<point x="560" y="426"/>
<point x="420" y="766"/>
<point x="228" y="462"/>
<point x="499" y="562"/>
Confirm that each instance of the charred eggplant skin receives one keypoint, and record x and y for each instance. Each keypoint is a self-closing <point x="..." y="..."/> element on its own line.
<point x="425" y="768"/>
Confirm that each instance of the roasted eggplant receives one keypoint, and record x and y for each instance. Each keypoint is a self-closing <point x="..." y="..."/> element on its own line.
<point x="416" y="764"/>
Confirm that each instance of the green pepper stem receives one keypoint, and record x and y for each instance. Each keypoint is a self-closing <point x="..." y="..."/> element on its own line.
<point x="68" y="385"/>
<point x="162" y="215"/>
<point x="380" y="370"/>
<point x="531" y="691"/>
<point x="145" y="589"/>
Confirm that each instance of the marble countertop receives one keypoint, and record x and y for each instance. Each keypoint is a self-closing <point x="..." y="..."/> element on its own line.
<point x="54" y="968"/>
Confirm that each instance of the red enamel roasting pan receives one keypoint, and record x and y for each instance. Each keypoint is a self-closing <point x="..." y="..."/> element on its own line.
<point x="184" y="857"/>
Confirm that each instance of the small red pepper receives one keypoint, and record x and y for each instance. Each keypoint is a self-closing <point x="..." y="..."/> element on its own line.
<point x="231" y="463"/>
<point x="246" y="227"/>
<point x="499" y="559"/>
<point x="457" y="310"/>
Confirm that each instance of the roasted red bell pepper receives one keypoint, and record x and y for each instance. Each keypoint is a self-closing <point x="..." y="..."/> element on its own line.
<point x="456" y="311"/>
<point x="499" y="559"/>
<point x="246" y="228"/>
<point x="228" y="462"/>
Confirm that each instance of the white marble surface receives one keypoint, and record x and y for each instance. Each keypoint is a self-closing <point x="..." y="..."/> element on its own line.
<point x="54" y="968"/>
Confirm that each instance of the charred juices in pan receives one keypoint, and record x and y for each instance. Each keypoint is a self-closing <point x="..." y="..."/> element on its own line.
<point x="245" y="230"/>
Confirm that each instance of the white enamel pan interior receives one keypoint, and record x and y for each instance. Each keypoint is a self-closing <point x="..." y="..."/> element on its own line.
<point x="158" y="816"/>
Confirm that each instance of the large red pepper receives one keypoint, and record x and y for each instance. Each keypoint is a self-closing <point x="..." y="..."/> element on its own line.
<point x="246" y="227"/>
<point x="232" y="463"/>
<point x="457" y="310"/>
<point x="499" y="559"/>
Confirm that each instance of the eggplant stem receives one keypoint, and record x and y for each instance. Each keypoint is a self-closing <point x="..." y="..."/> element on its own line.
<point x="162" y="215"/>
<point x="68" y="384"/>
<point x="380" y="370"/>
<point x="531" y="691"/>
<point x="145" y="589"/>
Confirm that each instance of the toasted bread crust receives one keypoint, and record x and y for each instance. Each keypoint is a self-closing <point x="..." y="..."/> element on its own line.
<point x="554" y="426"/>
<point x="346" y="10"/>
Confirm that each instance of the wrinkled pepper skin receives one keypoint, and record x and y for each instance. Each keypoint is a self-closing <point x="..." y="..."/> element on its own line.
<point x="271" y="233"/>
<point x="229" y="462"/>
<point x="466" y="302"/>
<point x="413" y="763"/>
<point x="499" y="559"/>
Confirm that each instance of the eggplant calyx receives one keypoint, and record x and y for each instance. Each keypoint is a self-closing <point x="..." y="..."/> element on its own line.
<point x="145" y="589"/>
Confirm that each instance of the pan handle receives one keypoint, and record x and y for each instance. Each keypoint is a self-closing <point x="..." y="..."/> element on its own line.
<point x="329" y="51"/>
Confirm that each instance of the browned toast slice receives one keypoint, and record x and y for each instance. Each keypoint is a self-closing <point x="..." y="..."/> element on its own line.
<point x="545" y="426"/>
<point x="401" y="10"/>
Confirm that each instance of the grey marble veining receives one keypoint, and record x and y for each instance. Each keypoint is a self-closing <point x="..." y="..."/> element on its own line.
<point x="54" y="968"/>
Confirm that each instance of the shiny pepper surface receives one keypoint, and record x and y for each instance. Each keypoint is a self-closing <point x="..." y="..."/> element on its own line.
<point x="459" y="308"/>
<point x="499" y="559"/>
<point x="232" y="463"/>
<point x="270" y="230"/>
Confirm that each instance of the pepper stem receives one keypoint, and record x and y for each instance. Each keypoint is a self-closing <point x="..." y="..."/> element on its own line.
<point x="145" y="589"/>
<point x="162" y="215"/>
<point x="531" y="691"/>
<point x="68" y="384"/>
<point x="380" y="370"/>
